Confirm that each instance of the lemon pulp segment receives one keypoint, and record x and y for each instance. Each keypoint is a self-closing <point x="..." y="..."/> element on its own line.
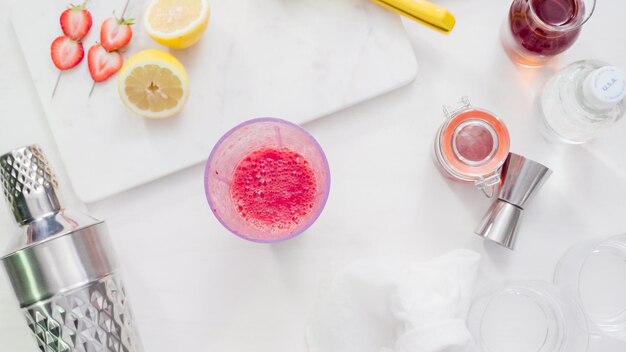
<point x="154" y="84"/>
<point x="153" y="88"/>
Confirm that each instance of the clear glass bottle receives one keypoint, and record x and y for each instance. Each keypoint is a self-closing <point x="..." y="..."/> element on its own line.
<point x="582" y="100"/>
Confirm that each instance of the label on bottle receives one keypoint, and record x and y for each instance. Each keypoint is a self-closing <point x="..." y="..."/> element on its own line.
<point x="605" y="87"/>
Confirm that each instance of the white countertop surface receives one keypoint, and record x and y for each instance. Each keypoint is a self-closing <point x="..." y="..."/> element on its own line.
<point x="196" y="287"/>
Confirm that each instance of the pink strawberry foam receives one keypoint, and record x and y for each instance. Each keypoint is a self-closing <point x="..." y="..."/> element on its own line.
<point x="274" y="189"/>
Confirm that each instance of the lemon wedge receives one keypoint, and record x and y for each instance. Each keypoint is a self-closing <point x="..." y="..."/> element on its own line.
<point x="153" y="84"/>
<point x="177" y="24"/>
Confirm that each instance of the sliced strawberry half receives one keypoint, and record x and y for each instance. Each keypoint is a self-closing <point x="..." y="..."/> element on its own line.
<point x="103" y="64"/>
<point x="116" y="33"/>
<point x="66" y="53"/>
<point x="76" y="22"/>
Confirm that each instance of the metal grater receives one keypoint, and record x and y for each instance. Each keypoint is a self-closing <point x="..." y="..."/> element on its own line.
<point x="61" y="265"/>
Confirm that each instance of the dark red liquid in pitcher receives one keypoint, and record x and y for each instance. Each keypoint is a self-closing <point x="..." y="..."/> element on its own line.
<point x="559" y="30"/>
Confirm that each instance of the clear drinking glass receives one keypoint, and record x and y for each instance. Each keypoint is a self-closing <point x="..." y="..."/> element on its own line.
<point x="239" y="143"/>
<point x="595" y="273"/>
<point x="527" y="316"/>
<point x="538" y="30"/>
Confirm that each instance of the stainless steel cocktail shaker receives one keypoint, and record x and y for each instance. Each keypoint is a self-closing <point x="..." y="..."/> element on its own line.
<point x="61" y="265"/>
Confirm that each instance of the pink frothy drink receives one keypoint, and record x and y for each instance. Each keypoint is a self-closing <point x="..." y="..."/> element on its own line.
<point x="267" y="180"/>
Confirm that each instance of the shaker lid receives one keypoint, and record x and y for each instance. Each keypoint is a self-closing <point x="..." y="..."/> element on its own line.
<point x="28" y="183"/>
<point x="605" y="87"/>
<point x="29" y="186"/>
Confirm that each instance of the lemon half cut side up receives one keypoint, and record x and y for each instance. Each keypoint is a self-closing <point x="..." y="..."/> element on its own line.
<point x="153" y="84"/>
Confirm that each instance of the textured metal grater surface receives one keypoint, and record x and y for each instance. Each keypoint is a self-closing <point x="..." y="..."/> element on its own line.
<point x="25" y="170"/>
<point x="28" y="183"/>
<point x="93" y="318"/>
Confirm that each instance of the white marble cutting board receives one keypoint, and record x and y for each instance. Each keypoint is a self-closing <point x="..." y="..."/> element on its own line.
<point x="295" y="59"/>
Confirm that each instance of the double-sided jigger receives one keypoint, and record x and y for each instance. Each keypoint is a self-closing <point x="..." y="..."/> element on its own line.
<point x="521" y="179"/>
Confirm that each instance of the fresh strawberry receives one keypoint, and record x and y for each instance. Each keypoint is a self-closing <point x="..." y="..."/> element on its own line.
<point x="76" y="22"/>
<point x="66" y="53"/>
<point x="103" y="64"/>
<point x="116" y="33"/>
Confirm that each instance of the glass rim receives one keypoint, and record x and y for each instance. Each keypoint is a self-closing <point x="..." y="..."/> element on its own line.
<point x="468" y="171"/>
<point x="551" y="300"/>
<point x="567" y="27"/>
<point x="568" y="275"/>
<point x="613" y="242"/>
<point x="325" y="191"/>
<point x="494" y="145"/>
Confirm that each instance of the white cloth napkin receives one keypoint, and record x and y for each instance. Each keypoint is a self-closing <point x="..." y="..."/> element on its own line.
<point x="376" y="305"/>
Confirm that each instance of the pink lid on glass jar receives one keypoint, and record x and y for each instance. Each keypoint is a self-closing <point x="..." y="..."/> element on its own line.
<point x="272" y="162"/>
<point x="471" y="146"/>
